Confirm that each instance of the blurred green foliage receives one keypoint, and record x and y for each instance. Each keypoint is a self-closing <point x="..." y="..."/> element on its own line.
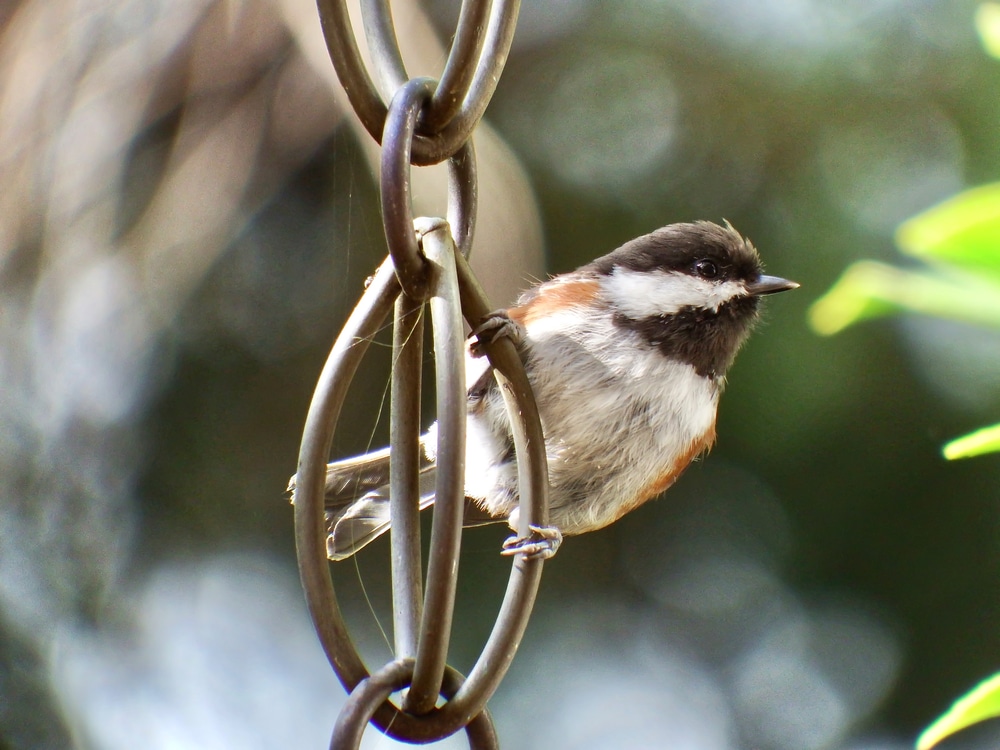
<point x="959" y="243"/>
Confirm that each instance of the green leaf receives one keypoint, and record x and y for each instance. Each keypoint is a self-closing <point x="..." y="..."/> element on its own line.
<point x="986" y="440"/>
<point x="982" y="703"/>
<point x="988" y="26"/>
<point x="963" y="230"/>
<point x="869" y="289"/>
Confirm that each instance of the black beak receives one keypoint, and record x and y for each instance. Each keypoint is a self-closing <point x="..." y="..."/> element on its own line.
<point x="770" y="285"/>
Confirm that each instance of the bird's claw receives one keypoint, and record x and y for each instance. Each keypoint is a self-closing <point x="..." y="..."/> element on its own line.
<point x="541" y="544"/>
<point x="496" y="325"/>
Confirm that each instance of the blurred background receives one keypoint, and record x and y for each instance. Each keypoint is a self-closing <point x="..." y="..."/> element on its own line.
<point x="187" y="216"/>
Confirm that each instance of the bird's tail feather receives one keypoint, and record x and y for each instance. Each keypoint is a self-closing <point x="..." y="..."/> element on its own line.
<point x="352" y="527"/>
<point x="357" y="500"/>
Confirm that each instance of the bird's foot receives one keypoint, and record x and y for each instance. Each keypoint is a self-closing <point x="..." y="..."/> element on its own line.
<point x="496" y="325"/>
<point x="541" y="544"/>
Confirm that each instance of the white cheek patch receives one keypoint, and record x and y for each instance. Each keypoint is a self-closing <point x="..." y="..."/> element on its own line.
<point x="649" y="293"/>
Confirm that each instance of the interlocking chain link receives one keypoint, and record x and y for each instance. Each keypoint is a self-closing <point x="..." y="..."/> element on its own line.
<point x="419" y="122"/>
<point x="470" y="77"/>
<point x="425" y="121"/>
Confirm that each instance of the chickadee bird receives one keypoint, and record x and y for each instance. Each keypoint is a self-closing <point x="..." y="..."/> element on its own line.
<point x="627" y="358"/>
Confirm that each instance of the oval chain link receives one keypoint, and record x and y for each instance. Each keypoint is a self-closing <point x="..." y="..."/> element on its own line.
<point x="470" y="76"/>
<point x="310" y="527"/>
<point x="373" y="692"/>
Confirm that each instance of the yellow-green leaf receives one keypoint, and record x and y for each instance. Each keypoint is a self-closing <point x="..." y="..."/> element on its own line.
<point x="986" y="440"/>
<point x="963" y="230"/>
<point x="857" y="295"/>
<point x="988" y="26"/>
<point x="982" y="703"/>
<point x="869" y="289"/>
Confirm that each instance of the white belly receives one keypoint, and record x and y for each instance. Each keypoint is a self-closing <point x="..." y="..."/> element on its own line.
<point x="613" y="424"/>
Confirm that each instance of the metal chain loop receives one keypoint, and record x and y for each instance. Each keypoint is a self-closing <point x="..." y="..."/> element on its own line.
<point x="458" y="101"/>
<point x="374" y="691"/>
<point x="470" y="699"/>
<point x="459" y="71"/>
<point x="397" y="209"/>
<point x="449" y="489"/>
<point x="310" y="478"/>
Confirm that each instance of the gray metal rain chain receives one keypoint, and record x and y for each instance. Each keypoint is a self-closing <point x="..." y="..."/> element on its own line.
<point x="425" y="122"/>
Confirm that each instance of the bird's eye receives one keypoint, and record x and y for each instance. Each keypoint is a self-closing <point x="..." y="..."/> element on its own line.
<point x="706" y="269"/>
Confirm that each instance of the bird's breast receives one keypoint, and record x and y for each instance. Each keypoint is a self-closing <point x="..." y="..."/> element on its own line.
<point x="621" y="420"/>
